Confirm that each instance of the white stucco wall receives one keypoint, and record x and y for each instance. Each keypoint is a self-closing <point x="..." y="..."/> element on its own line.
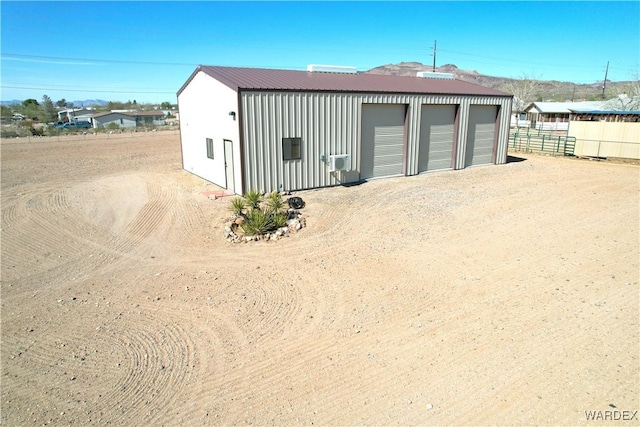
<point x="204" y="113"/>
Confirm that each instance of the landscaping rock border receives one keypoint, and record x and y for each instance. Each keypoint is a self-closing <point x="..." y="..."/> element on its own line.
<point x="295" y="223"/>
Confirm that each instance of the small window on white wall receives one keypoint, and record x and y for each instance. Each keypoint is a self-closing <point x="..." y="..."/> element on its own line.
<point x="291" y="148"/>
<point x="210" y="148"/>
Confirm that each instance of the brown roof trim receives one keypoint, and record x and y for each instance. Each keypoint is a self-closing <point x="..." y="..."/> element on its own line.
<point x="260" y="79"/>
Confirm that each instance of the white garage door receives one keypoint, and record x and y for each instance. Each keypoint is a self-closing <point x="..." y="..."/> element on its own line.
<point x="437" y="132"/>
<point x="481" y="135"/>
<point x="382" y="140"/>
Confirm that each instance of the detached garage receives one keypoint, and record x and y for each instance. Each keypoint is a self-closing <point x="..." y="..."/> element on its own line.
<point x="264" y="129"/>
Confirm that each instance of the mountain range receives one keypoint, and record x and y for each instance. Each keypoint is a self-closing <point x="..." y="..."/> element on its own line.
<point x="548" y="90"/>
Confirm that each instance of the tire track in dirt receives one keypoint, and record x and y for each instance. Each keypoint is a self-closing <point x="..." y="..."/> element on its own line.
<point x="187" y="220"/>
<point x="267" y="307"/>
<point x="147" y="220"/>
<point x="159" y="360"/>
<point x="128" y="369"/>
<point x="215" y="381"/>
<point x="43" y="221"/>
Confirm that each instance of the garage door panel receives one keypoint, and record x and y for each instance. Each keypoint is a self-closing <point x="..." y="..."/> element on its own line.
<point x="382" y="140"/>
<point x="437" y="133"/>
<point x="481" y="135"/>
<point x="387" y="150"/>
<point x="386" y="170"/>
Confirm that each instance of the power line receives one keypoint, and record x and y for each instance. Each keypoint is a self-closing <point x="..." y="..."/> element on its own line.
<point x="19" y="56"/>
<point x="88" y="90"/>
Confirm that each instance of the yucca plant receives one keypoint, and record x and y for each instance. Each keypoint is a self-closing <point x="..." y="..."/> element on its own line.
<point x="274" y="202"/>
<point x="279" y="219"/>
<point x="237" y="205"/>
<point x="256" y="222"/>
<point x="253" y="199"/>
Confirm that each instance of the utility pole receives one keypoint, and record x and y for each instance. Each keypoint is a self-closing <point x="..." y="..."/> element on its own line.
<point x="604" y="84"/>
<point x="435" y="42"/>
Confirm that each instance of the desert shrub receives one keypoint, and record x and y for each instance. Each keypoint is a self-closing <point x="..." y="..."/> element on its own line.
<point x="259" y="215"/>
<point x="274" y="202"/>
<point x="279" y="219"/>
<point x="9" y="132"/>
<point x="237" y="205"/>
<point x="256" y="222"/>
<point x="253" y="199"/>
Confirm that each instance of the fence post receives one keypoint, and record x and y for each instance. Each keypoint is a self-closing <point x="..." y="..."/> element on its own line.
<point x="542" y="148"/>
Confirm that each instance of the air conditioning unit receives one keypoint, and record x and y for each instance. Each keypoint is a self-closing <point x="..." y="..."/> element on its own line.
<point x="339" y="162"/>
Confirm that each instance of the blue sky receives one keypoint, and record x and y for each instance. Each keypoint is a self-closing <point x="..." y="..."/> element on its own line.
<point x="146" y="50"/>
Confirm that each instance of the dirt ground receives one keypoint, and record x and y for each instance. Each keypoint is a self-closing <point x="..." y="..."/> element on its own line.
<point x="500" y="295"/>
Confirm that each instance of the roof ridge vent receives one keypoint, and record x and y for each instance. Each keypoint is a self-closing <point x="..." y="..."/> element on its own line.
<point x="317" y="68"/>
<point x="435" y="75"/>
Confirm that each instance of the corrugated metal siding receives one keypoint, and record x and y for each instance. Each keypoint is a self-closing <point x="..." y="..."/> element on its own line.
<point x="330" y="123"/>
<point x="504" y="121"/>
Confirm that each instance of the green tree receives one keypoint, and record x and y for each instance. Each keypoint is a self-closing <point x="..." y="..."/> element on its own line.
<point x="48" y="109"/>
<point x="29" y="102"/>
<point x="5" y="112"/>
<point x="61" y="103"/>
<point x="165" y="106"/>
<point x="31" y="109"/>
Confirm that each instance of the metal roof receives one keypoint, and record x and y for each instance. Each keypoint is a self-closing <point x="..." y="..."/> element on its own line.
<point x="131" y="113"/>
<point x="564" y="107"/>
<point x="238" y="79"/>
<point x="609" y="112"/>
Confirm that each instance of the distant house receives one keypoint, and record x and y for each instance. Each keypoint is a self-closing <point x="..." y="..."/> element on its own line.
<point x="555" y="115"/>
<point x="128" y="119"/>
<point x="148" y="118"/>
<point x="72" y="114"/>
<point x="123" y="120"/>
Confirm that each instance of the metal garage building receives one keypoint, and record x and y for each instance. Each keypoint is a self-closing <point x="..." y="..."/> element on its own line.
<point x="266" y="129"/>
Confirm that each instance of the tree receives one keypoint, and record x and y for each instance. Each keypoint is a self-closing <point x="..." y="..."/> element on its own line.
<point x="62" y="103"/>
<point x="165" y="106"/>
<point x="5" y="112"/>
<point x="524" y="91"/>
<point x="48" y="109"/>
<point x="31" y="109"/>
<point x="29" y="103"/>
<point x="630" y="98"/>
